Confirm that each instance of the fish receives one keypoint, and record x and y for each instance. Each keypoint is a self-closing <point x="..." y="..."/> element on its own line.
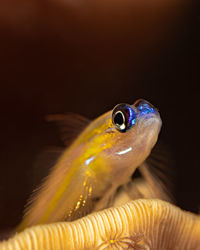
<point x="98" y="161"/>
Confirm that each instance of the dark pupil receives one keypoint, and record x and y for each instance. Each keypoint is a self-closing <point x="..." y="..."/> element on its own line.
<point x="118" y="119"/>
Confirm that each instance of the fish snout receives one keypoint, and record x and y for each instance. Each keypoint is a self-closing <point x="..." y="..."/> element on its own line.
<point x="148" y="121"/>
<point x="144" y="107"/>
<point x="147" y="114"/>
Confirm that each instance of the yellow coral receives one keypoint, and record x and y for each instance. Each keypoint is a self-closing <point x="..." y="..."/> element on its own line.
<point x="140" y="224"/>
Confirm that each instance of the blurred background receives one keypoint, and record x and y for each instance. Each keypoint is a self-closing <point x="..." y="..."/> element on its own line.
<point x="85" y="56"/>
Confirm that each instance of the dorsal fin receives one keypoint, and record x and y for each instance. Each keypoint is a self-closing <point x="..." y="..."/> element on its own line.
<point x="70" y="124"/>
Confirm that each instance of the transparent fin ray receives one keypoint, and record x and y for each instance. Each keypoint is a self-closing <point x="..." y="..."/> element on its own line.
<point x="70" y="125"/>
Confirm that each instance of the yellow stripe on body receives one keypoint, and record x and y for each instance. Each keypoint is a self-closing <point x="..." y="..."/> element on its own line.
<point x="99" y="144"/>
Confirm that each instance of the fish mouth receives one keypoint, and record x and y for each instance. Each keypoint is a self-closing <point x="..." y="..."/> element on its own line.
<point x="147" y="114"/>
<point x="148" y="118"/>
<point x="144" y="107"/>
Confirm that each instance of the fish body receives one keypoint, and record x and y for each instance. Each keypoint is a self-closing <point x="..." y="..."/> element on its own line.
<point x="102" y="158"/>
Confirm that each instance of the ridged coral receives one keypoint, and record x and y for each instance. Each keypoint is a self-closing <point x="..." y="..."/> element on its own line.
<point x="140" y="224"/>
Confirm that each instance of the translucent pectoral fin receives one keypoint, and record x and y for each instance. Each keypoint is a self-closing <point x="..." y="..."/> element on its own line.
<point x="153" y="186"/>
<point x="157" y="170"/>
<point x="135" y="189"/>
<point x="106" y="200"/>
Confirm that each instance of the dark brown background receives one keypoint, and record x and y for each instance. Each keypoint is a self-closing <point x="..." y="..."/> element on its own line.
<point x="86" y="56"/>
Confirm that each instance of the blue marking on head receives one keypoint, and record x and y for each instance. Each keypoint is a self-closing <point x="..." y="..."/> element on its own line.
<point x="145" y="108"/>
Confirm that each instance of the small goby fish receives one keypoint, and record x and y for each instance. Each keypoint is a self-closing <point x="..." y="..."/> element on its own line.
<point x="102" y="158"/>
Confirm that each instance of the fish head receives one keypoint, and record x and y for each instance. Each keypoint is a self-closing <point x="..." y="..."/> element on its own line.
<point x="118" y="141"/>
<point x="135" y="131"/>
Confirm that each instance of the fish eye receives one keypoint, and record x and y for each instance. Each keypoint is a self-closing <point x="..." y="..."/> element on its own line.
<point x="119" y="120"/>
<point x="123" y="117"/>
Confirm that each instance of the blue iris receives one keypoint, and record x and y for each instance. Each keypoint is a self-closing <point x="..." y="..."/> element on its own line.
<point x="132" y="117"/>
